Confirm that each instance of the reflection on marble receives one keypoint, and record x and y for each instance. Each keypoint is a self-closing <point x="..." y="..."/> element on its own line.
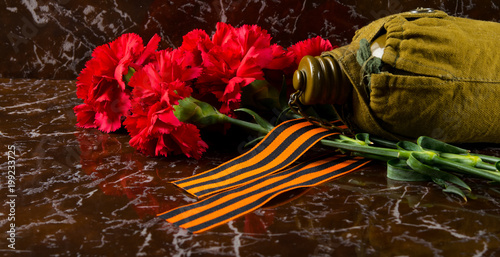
<point x="83" y="192"/>
<point x="54" y="39"/>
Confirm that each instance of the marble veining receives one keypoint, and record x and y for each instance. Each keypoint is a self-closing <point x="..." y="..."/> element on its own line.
<point x="89" y="193"/>
<point x="54" y="39"/>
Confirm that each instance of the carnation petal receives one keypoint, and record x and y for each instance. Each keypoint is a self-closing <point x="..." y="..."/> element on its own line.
<point x="196" y="40"/>
<point x="149" y="49"/>
<point x="282" y="59"/>
<point x="312" y="46"/>
<point x="252" y="36"/>
<point x="107" y="123"/>
<point x="168" y="117"/>
<point x="232" y="95"/>
<point x="188" y="140"/>
<point x="251" y="66"/>
<point x="223" y="34"/>
<point x="127" y="45"/>
<point x="85" y="116"/>
<point x="84" y="80"/>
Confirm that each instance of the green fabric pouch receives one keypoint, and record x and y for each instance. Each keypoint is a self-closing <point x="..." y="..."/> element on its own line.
<point x="441" y="78"/>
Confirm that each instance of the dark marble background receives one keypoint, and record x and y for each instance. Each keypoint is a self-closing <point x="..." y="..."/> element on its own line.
<point x="53" y="39"/>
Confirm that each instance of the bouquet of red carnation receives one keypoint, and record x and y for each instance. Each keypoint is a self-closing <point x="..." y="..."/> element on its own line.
<point x="164" y="97"/>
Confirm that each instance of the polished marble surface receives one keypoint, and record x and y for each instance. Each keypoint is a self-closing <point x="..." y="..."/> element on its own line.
<point x="81" y="192"/>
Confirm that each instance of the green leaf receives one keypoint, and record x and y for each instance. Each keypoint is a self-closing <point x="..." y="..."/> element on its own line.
<point x="449" y="188"/>
<point x="398" y="170"/>
<point x="434" y="144"/>
<point x="364" y="137"/>
<point x="409" y="146"/>
<point x="455" y="190"/>
<point x="415" y="162"/>
<point x="352" y="141"/>
<point x="261" y="121"/>
<point x="383" y="142"/>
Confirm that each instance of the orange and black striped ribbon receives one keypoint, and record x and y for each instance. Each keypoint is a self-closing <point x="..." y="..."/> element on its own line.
<point x="228" y="205"/>
<point x="280" y="148"/>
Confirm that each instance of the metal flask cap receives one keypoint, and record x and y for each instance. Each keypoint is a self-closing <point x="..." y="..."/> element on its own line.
<point x="321" y="81"/>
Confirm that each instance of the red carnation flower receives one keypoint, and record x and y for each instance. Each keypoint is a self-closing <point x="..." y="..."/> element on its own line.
<point x="196" y="41"/>
<point x="154" y="128"/>
<point x="101" y="85"/>
<point x="282" y="58"/>
<point x="234" y="58"/>
<point x="313" y="46"/>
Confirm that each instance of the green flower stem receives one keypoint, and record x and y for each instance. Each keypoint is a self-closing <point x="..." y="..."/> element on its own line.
<point x="469" y="159"/>
<point x="482" y="169"/>
<point x="487" y="158"/>
<point x="383" y="142"/>
<point x="367" y="149"/>
<point x="203" y="114"/>
<point x="244" y="124"/>
<point x="373" y="156"/>
<point x="486" y="166"/>
<point x="451" y="165"/>
<point x="429" y="151"/>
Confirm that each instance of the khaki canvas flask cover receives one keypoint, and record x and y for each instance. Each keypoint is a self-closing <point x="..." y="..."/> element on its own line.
<point x="440" y="77"/>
